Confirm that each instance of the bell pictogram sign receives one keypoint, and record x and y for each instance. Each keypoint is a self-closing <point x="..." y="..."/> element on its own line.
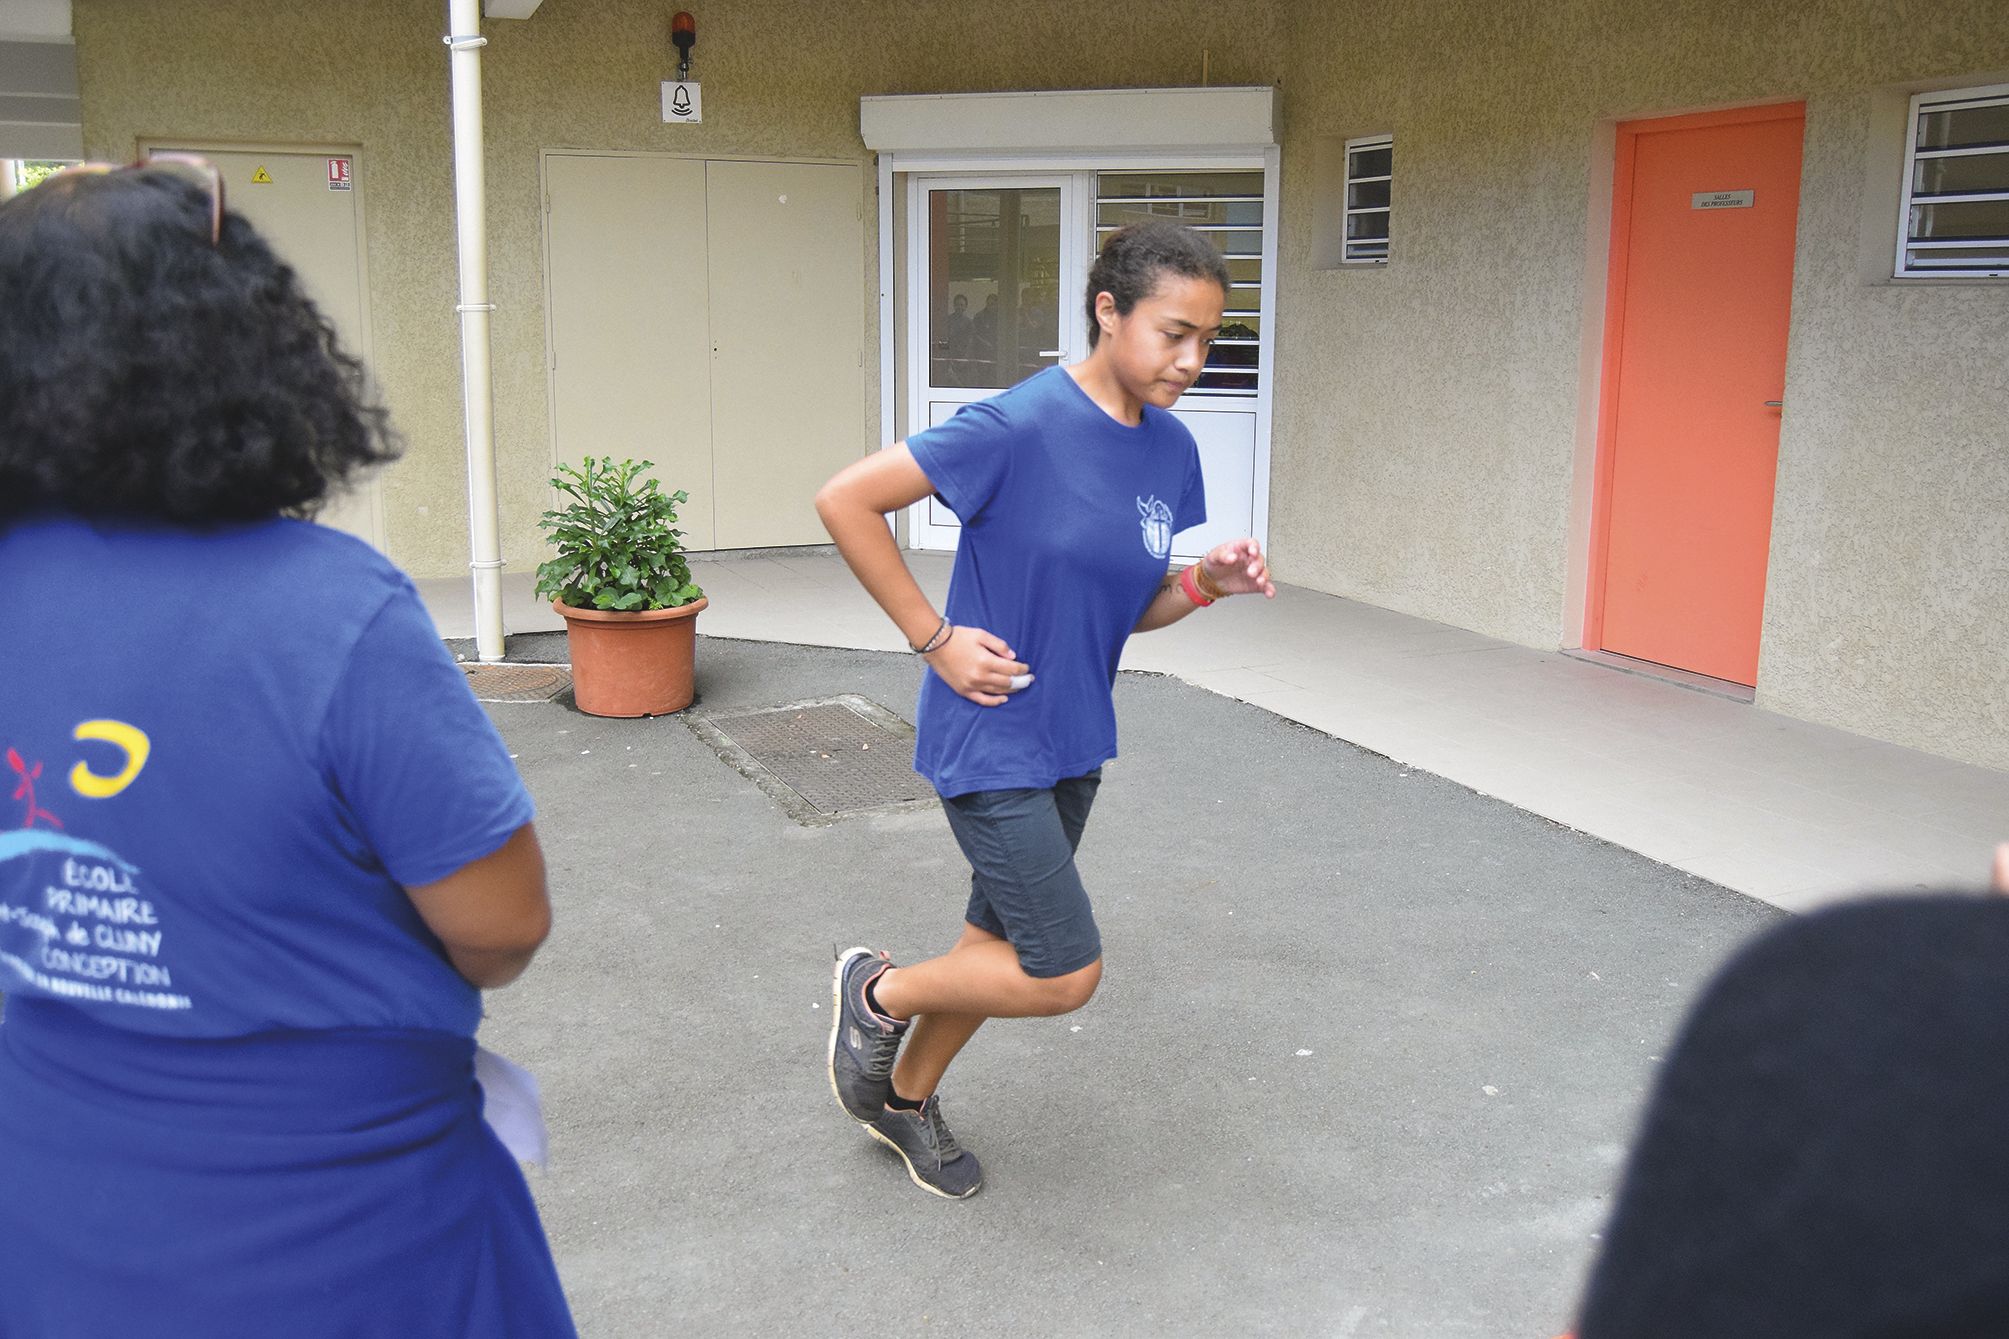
<point x="683" y="103"/>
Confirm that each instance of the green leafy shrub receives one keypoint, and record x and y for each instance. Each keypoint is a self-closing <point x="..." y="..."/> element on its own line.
<point x="617" y="541"/>
<point x="35" y="172"/>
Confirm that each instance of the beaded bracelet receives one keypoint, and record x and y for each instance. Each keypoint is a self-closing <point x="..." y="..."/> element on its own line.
<point x="936" y="642"/>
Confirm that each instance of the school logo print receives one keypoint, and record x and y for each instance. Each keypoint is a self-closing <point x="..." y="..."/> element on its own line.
<point x="75" y="920"/>
<point x="1157" y="525"/>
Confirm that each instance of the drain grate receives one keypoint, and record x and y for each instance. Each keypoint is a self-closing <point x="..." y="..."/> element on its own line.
<point x="825" y="759"/>
<point x="517" y="683"/>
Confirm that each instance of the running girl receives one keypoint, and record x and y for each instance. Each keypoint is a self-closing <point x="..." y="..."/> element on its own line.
<point x="1070" y="487"/>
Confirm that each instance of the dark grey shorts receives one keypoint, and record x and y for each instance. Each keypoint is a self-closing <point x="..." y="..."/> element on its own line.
<point x="1023" y="884"/>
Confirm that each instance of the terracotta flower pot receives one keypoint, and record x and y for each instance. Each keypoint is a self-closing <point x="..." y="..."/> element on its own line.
<point x="632" y="664"/>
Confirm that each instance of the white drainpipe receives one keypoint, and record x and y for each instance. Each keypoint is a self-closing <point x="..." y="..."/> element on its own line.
<point x="477" y="380"/>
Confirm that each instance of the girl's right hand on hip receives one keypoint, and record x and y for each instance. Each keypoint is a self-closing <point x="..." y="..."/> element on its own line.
<point x="980" y="667"/>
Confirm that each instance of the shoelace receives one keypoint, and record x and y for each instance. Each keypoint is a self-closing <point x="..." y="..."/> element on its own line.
<point x="880" y="1048"/>
<point x="946" y="1147"/>
<point x="880" y="1045"/>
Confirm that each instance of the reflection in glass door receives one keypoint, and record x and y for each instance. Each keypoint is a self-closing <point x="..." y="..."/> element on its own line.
<point x="994" y="283"/>
<point x="993" y="259"/>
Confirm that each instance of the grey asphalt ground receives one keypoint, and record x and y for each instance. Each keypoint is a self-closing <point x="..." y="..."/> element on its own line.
<point x="1367" y="1052"/>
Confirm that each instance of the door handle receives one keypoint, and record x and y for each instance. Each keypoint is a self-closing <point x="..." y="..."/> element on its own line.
<point x="1775" y="404"/>
<point x="1052" y="353"/>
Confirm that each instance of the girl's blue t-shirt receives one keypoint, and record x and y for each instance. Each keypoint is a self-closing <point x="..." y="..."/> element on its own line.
<point x="1068" y="517"/>
<point x="224" y="755"/>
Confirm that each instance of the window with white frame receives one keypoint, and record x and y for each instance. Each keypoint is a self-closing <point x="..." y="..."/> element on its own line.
<point x="1370" y="173"/>
<point x="1955" y="220"/>
<point x="1227" y="208"/>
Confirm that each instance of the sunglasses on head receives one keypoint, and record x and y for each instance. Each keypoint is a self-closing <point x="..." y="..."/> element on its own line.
<point x="199" y="172"/>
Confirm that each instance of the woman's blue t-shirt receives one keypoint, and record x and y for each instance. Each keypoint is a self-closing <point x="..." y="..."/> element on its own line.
<point x="1068" y="517"/>
<point x="223" y="757"/>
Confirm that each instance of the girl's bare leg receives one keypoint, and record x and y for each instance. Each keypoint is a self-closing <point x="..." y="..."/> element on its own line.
<point x="936" y="1038"/>
<point x="950" y="997"/>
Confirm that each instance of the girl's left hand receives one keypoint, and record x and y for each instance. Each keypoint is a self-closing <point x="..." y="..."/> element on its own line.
<point x="1237" y="568"/>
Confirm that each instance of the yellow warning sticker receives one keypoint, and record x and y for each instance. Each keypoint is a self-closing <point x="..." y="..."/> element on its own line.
<point x="261" y="177"/>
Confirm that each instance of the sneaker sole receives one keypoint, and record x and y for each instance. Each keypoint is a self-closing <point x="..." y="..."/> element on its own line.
<point x="837" y="1022"/>
<point x="915" y="1176"/>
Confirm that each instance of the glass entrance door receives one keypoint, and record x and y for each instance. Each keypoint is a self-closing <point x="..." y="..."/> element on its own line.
<point x="995" y="267"/>
<point x="995" y="263"/>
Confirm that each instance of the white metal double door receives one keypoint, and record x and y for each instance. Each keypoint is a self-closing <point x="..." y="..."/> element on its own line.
<point x="997" y="269"/>
<point x="709" y="316"/>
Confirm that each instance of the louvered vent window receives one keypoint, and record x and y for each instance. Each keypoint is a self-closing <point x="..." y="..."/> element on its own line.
<point x="1956" y="185"/>
<point x="1370" y="172"/>
<point x="1227" y="207"/>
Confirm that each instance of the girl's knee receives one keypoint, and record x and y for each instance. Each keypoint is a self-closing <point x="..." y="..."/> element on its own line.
<point x="1065" y="994"/>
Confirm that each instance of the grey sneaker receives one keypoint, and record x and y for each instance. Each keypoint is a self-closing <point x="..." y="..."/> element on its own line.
<point x="935" y="1161"/>
<point x="863" y="1043"/>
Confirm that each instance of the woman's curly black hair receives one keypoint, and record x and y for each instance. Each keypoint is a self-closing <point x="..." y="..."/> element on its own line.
<point x="147" y="373"/>
<point x="1135" y="256"/>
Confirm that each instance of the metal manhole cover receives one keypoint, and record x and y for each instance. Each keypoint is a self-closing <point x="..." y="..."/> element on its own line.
<point x="823" y="759"/>
<point x="517" y="683"/>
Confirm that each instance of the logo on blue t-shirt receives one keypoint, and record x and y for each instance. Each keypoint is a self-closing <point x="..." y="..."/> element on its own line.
<point x="1157" y="525"/>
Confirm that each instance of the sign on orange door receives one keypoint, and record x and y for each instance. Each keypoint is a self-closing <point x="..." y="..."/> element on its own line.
<point x="1704" y="210"/>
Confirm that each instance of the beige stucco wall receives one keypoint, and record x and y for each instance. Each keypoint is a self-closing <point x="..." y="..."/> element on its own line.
<point x="781" y="79"/>
<point x="1430" y="453"/>
<point x="1428" y="446"/>
<point x="1887" y="605"/>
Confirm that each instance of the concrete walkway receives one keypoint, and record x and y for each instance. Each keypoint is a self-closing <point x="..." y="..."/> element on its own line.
<point x="1791" y="813"/>
<point x="1367" y="1055"/>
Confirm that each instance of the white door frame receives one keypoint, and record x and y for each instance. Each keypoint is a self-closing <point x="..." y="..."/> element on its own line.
<point x="991" y="168"/>
<point x="922" y="531"/>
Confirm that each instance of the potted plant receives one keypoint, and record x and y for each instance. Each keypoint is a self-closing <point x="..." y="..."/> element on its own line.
<point x="622" y="585"/>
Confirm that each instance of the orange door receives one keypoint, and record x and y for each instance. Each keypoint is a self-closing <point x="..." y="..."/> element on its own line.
<point x="1701" y="289"/>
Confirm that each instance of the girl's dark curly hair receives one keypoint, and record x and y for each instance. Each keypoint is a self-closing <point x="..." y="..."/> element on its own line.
<point x="147" y="373"/>
<point x="1134" y="257"/>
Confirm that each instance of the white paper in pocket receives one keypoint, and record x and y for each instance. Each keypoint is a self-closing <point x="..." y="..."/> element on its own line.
<point x="512" y="1106"/>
